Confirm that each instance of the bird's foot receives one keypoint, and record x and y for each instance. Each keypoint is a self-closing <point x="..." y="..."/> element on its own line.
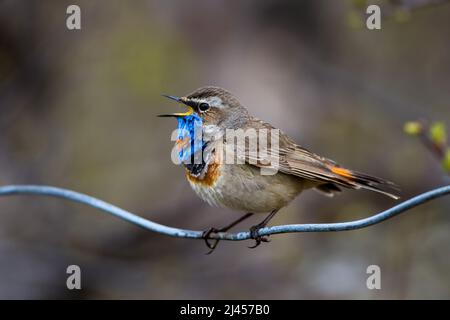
<point x="206" y="236"/>
<point x="255" y="236"/>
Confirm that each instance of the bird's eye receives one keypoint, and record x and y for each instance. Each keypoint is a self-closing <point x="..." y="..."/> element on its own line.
<point x="203" y="107"/>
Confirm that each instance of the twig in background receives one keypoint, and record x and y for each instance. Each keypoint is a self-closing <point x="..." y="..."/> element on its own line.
<point x="434" y="138"/>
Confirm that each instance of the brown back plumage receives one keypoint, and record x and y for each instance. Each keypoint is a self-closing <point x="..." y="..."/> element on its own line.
<point x="298" y="161"/>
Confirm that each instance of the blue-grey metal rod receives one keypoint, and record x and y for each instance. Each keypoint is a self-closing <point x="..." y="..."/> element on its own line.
<point x="182" y="233"/>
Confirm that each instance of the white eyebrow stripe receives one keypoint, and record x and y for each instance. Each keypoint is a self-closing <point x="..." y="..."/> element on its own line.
<point x="212" y="101"/>
<point x="215" y="102"/>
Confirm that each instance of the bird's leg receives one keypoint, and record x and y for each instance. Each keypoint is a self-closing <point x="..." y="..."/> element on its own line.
<point x="262" y="224"/>
<point x="207" y="233"/>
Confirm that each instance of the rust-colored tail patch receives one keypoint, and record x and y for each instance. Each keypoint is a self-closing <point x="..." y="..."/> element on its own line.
<point x="362" y="180"/>
<point x="342" y="172"/>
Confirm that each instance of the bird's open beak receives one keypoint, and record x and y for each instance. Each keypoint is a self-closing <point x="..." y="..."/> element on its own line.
<point x="178" y="114"/>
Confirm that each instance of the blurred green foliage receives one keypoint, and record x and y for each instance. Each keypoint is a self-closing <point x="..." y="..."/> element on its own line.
<point x="401" y="15"/>
<point x="438" y="133"/>
<point x="434" y="135"/>
<point x="446" y="161"/>
<point x="413" y="128"/>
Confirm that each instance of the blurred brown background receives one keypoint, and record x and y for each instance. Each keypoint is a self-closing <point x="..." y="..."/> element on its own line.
<point x="78" y="111"/>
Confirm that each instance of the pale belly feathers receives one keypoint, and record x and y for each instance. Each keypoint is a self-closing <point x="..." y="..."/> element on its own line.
<point x="242" y="187"/>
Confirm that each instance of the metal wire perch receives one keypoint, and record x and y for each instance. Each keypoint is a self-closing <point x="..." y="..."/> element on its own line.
<point x="42" y="190"/>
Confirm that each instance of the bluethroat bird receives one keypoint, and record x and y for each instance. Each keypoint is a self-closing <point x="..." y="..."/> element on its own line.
<point x="203" y="142"/>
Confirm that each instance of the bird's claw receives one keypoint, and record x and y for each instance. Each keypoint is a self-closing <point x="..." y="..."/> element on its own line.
<point x="255" y="236"/>
<point x="206" y="234"/>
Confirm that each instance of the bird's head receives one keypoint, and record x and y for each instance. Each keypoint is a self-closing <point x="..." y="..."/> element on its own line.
<point x="217" y="108"/>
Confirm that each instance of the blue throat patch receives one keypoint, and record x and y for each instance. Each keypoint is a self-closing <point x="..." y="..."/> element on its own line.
<point x="190" y="127"/>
